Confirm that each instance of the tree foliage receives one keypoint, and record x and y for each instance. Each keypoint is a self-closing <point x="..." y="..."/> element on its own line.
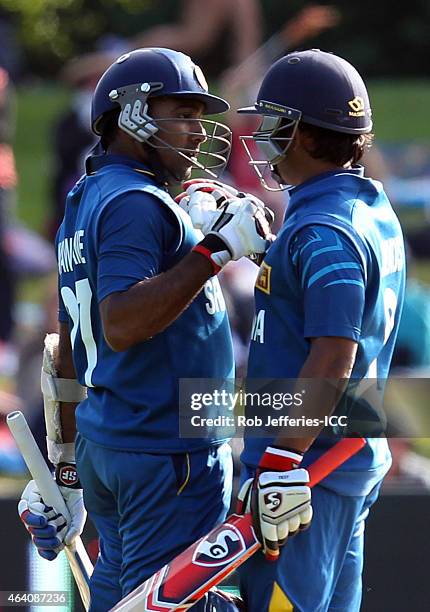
<point x="381" y="37"/>
<point x="52" y="31"/>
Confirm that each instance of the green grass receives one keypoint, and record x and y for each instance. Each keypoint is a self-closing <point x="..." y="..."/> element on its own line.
<point x="401" y="109"/>
<point x="37" y="109"/>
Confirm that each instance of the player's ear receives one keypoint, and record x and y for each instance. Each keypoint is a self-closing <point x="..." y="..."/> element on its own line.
<point x="304" y="139"/>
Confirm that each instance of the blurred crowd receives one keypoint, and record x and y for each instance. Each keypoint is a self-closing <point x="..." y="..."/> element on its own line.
<point x="235" y="29"/>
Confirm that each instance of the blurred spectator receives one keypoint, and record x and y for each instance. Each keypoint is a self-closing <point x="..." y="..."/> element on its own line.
<point x="238" y="280"/>
<point x="223" y="32"/>
<point x="244" y="77"/>
<point x="23" y="393"/>
<point x="412" y="348"/>
<point x="410" y="472"/>
<point x="11" y="462"/>
<point x="10" y="51"/>
<point x="34" y="323"/>
<point x="8" y="180"/>
<point x="72" y="135"/>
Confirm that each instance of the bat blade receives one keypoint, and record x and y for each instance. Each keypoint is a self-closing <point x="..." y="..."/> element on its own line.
<point x="212" y="558"/>
<point x="182" y="582"/>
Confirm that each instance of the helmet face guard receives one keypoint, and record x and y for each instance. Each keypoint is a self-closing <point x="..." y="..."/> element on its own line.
<point x="135" y="120"/>
<point x="273" y="139"/>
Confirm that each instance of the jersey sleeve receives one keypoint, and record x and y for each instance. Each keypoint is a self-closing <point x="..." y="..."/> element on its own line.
<point x="332" y="278"/>
<point x="136" y="232"/>
<point x="62" y="312"/>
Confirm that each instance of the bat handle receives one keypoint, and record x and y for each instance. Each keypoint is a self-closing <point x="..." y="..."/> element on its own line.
<point x="333" y="458"/>
<point x="80" y="563"/>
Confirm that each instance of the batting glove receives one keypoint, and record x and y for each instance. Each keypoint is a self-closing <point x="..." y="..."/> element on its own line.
<point x="278" y="498"/>
<point x="239" y="229"/>
<point x="48" y="528"/>
<point x="202" y="197"/>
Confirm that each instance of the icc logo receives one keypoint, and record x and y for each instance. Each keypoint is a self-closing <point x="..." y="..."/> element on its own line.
<point x="223" y="546"/>
<point x="272" y="501"/>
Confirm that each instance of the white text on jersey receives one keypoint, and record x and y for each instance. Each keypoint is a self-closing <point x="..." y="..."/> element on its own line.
<point x="214" y="294"/>
<point x="257" y="333"/>
<point x="70" y="252"/>
<point x="393" y="256"/>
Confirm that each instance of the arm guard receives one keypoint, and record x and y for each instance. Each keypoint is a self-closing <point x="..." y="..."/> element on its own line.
<point x="56" y="390"/>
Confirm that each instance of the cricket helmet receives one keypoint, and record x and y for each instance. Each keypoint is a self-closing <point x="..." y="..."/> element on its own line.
<point x="145" y="74"/>
<point x="312" y="86"/>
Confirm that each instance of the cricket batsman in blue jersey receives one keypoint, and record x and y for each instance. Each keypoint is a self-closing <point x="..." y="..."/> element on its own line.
<point x="328" y="299"/>
<point x="140" y="308"/>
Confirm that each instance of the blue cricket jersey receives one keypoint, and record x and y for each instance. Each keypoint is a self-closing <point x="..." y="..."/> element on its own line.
<point x="119" y="228"/>
<point x="337" y="268"/>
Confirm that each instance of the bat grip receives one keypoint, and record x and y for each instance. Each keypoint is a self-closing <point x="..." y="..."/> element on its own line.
<point x="334" y="458"/>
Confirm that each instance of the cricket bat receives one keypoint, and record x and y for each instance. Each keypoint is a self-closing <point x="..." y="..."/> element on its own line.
<point x="182" y="582"/>
<point x="77" y="556"/>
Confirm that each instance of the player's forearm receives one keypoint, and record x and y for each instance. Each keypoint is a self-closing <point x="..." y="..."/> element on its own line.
<point x="326" y="372"/>
<point x="153" y="304"/>
<point x="66" y="369"/>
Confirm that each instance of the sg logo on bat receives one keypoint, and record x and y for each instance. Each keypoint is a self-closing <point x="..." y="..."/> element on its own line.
<point x="222" y="547"/>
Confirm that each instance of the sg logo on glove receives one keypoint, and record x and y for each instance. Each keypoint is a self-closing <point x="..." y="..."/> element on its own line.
<point x="272" y="501"/>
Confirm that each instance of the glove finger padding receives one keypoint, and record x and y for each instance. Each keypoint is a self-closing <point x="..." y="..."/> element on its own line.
<point x="306" y="518"/>
<point x="269" y="534"/>
<point x="280" y="503"/>
<point x="46" y="526"/>
<point x="209" y="185"/>
<point x="237" y="227"/>
<point x="244" y="497"/>
<point x="49" y="529"/>
<point x="202" y="209"/>
<point x="75" y="504"/>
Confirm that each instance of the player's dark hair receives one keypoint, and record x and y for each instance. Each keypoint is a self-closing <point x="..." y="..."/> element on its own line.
<point x="336" y="147"/>
<point x="108" y="128"/>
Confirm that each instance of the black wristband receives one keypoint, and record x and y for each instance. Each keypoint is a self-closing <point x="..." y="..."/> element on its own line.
<point x="214" y="244"/>
<point x="67" y="476"/>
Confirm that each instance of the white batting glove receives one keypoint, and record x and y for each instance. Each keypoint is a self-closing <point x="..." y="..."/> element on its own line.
<point x="48" y="528"/>
<point x="239" y="229"/>
<point x="202" y="208"/>
<point x="219" y="189"/>
<point x="202" y="197"/>
<point x="279" y="499"/>
<point x="243" y="227"/>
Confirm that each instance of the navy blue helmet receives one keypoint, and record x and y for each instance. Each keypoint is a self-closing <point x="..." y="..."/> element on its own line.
<point x="147" y="73"/>
<point x="312" y="86"/>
